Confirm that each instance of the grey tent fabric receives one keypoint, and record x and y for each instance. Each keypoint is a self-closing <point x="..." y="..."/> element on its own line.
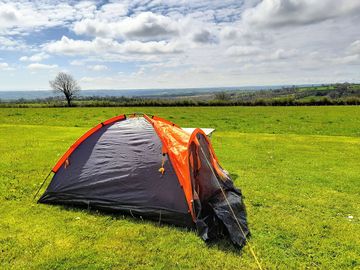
<point x="117" y="168"/>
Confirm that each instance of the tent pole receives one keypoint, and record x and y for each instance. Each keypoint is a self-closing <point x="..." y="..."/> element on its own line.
<point x="42" y="184"/>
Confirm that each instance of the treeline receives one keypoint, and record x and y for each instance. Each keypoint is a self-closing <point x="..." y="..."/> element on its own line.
<point x="139" y="102"/>
<point x="334" y="92"/>
<point x="321" y="95"/>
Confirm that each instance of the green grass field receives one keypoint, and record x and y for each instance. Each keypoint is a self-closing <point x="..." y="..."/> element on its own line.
<point x="298" y="167"/>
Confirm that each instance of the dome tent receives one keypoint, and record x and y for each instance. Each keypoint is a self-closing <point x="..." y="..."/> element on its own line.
<point x="149" y="167"/>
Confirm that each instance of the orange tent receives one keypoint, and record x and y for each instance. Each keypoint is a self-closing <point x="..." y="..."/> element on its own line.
<point x="147" y="166"/>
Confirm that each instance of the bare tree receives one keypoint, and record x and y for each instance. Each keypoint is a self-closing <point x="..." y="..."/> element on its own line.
<point x="65" y="84"/>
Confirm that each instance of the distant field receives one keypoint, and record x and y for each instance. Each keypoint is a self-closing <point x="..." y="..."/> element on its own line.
<point x="298" y="168"/>
<point x="316" y="95"/>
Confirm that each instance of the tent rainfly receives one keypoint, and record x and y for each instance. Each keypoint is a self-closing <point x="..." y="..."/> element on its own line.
<point x="148" y="167"/>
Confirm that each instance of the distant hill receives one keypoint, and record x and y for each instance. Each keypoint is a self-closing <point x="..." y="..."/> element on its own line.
<point x="165" y="92"/>
<point x="332" y="94"/>
<point x="299" y="95"/>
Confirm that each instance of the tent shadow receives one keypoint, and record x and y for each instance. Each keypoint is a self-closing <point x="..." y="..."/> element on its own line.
<point x="118" y="216"/>
<point x="224" y="244"/>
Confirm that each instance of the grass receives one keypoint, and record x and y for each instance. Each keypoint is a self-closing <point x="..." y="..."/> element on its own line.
<point x="298" y="168"/>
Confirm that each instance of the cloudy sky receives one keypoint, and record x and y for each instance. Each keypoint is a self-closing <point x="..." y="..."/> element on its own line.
<point x="178" y="43"/>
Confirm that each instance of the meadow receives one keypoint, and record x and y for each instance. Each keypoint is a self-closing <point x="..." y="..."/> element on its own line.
<point x="298" y="168"/>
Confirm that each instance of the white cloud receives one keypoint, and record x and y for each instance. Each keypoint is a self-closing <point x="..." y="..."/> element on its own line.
<point x="98" y="46"/>
<point x="98" y="67"/>
<point x="34" y="58"/>
<point x="281" y="54"/>
<point x="84" y="9"/>
<point x="102" y="81"/>
<point x="145" y="26"/>
<point x="69" y="46"/>
<point x="241" y="33"/>
<point x="254" y="54"/>
<point x="77" y="63"/>
<point x="112" y="11"/>
<point x="351" y="55"/>
<point x="7" y="42"/>
<point x="229" y="33"/>
<point x="151" y="47"/>
<point x="204" y="36"/>
<point x="298" y="12"/>
<point x="94" y="28"/>
<point x="39" y="66"/>
<point x="10" y="44"/>
<point x="8" y="15"/>
<point x="17" y="17"/>
<point x="5" y="66"/>
<point x="148" y="25"/>
<point x="242" y="50"/>
<point x="349" y="59"/>
<point x="20" y="17"/>
<point x="355" y="46"/>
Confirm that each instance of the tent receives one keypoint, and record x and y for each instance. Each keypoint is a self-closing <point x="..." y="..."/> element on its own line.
<point x="148" y="167"/>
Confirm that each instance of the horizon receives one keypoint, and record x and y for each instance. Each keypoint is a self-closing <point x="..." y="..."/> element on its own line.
<point x="155" y="92"/>
<point x="184" y="88"/>
<point x="142" y="45"/>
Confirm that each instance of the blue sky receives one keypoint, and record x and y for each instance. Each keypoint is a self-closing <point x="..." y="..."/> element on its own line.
<point x="178" y="43"/>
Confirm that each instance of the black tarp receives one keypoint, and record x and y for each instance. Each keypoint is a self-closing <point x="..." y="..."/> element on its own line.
<point x="220" y="208"/>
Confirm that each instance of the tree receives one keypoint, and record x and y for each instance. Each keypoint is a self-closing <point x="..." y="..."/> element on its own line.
<point x="342" y="87"/>
<point x="66" y="84"/>
<point x="340" y="90"/>
<point x="222" y="96"/>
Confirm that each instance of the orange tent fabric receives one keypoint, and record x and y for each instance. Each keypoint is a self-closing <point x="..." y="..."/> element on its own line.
<point x="175" y="142"/>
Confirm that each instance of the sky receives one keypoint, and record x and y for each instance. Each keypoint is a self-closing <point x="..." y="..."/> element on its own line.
<point x="179" y="44"/>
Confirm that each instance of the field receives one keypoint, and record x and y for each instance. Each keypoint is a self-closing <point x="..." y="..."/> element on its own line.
<point x="298" y="167"/>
